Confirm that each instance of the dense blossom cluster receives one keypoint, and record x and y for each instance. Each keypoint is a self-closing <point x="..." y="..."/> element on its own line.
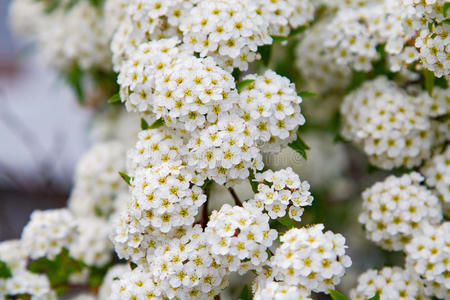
<point x="239" y="237"/>
<point x="391" y="284"/>
<point x="48" y="232"/>
<point x="273" y="290"/>
<point x="205" y="123"/>
<point x="425" y="19"/>
<point x="428" y="255"/>
<point x="391" y="126"/>
<point x="393" y="210"/>
<point x="22" y="282"/>
<point x="65" y="36"/>
<point x="437" y="174"/>
<point x="96" y="183"/>
<point x="282" y="191"/>
<point x="92" y="244"/>
<point x="311" y="258"/>
<point x="271" y="105"/>
<point x="183" y="268"/>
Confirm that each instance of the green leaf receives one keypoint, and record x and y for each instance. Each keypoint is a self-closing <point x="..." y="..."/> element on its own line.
<point x="158" y="123"/>
<point x="299" y="146"/>
<point x="245" y="294"/>
<point x="446" y="8"/>
<point x="297" y="30"/>
<point x="276" y="39"/>
<point x="429" y="81"/>
<point x="116" y="278"/>
<point x="5" y="271"/>
<point x="446" y="21"/>
<point x="443" y="118"/>
<point x="97" y="274"/>
<point x="125" y="177"/>
<point x="287" y="222"/>
<point x="376" y="297"/>
<point x="337" y="295"/>
<point x="144" y="124"/>
<point x="252" y="181"/>
<point x="306" y="94"/>
<point x="132" y="265"/>
<point x="58" y="269"/>
<point x="265" y="52"/>
<point x="244" y="83"/>
<point x="114" y="99"/>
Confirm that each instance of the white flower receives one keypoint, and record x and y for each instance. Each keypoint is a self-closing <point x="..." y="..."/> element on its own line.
<point x="48" y="232"/>
<point x="391" y="284"/>
<point x="428" y="255"/>
<point x="311" y="258"/>
<point x="97" y="181"/>
<point x="394" y="208"/>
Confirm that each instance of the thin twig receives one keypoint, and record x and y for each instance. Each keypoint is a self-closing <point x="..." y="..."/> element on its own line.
<point x="235" y="197"/>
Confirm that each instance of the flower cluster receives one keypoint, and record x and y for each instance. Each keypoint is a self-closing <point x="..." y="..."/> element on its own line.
<point x="92" y="245"/>
<point x="180" y="268"/>
<point x="65" y="36"/>
<point x="425" y="20"/>
<point x="48" y="232"/>
<point x="390" y="283"/>
<point x="273" y="290"/>
<point x="437" y="174"/>
<point x="282" y="191"/>
<point x="271" y="105"/>
<point x="394" y="208"/>
<point x="284" y="15"/>
<point x="310" y="258"/>
<point x="320" y="67"/>
<point x="390" y="125"/>
<point x="96" y="182"/>
<point x="428" y="255"/>
<point x="27" y="284"/>
<point x="239" y="237"/>
<point x="22" y="282"/>
<point x="229" y="31"/>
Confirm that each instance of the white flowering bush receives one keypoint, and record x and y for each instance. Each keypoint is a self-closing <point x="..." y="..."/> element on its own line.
<point x="194" y="187"/>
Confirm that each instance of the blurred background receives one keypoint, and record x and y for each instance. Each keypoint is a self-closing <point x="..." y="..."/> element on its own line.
<point x="37" y="113"/>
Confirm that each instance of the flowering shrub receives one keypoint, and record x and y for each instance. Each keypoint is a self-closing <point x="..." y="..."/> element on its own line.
<point x="219" y="88"/>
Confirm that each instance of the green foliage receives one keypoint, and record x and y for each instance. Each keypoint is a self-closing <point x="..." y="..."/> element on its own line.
<point x="245" y="294"/>
<point x="299" y="146"/>
<point x="244" y="83"/>
<point x="265" y="52"/>
<point x="158" y="123"/>
<point x="73" y="78"/>
<point x="125" y="177"/>
<point x="336" y="295"/>
<point x="376" y="297"/>
<point x="429" y="81"/>
<point x="252" y="181"/>
<point x="276" y="39"/>
<point x="5" y="271"/>
<point x="97" y="274"/>
<point x="287" y="222"/>
<point x="446" y="8"/>
<point x="114" y="99"/>
<point x="144" y="124"/>
<point x="306" y="94"/>
<point x="132" y="265"/>
<point x="58" y="270"/>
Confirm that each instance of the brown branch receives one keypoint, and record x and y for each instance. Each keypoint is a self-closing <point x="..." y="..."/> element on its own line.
<point x="235" y="197"/>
